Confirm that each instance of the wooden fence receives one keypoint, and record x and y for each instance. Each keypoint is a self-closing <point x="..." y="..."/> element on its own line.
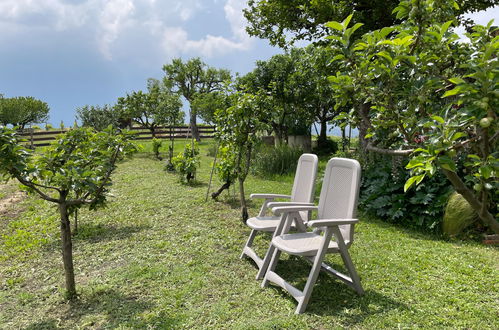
<point x="43" y="138"/>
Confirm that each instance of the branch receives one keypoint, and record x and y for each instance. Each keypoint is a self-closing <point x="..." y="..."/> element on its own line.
<point x="84" y="199"/>
<point x="383" y="151"/>
<point x="38" y="191"/>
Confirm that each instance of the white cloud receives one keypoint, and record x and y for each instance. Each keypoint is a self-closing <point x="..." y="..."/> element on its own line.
<point x="110" y="22"/>
<point x="176" y="41"/>
<point x="115" y="15"/>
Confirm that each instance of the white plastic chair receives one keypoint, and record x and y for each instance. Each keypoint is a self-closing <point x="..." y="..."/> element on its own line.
<point x="336" y="212"/>
<point x="301" y="194"/>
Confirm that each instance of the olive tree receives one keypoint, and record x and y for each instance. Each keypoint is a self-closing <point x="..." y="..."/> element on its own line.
<point x="73" y="172"/>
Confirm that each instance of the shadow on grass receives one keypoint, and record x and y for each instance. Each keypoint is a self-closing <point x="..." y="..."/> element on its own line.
<point x="46" y="324"/>
<point x="98" y="233"/>
<point x="109" y="308"/>
<point x="332" y="297"/>
<point x="102" y="232"/>
<point x="414" y="233"/>
<point x="234" y="203"/>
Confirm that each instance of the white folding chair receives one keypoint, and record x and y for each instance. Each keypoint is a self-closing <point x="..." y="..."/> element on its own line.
<point x="336" y="212"/>
<point x="301" y="194"/>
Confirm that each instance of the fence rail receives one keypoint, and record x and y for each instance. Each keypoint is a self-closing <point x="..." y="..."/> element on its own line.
<point x="43" y="138"/>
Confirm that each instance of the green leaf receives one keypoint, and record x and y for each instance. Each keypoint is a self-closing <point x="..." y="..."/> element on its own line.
<point x="412" y="180"/>
<point x="337" y="57"/>
<point x="453" y="92"/>
<point x="386" y="31"/>
<point x="335" y="25"/>
<point x="486" y="171"/>
<point x="347" y="21"/>
<point x="415" y="162"/>
<point x="356" y="26"/>
<point x="445" y="27"/>
<point x="447" y="163"/>
<point x="457" y="80"/>
<point x="438" y="119"/>
<point x="385" y="55"/>
<point x="458" y="135"/>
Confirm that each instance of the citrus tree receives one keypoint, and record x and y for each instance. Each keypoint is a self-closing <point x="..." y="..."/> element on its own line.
<point x="73" y="172"/>
<point x="417" y="91"/>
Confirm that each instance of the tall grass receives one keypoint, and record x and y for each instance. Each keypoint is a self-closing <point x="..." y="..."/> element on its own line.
<point x="270" y="161"/>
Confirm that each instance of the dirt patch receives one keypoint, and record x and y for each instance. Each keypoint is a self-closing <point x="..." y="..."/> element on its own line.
<point x="7" y="204"/>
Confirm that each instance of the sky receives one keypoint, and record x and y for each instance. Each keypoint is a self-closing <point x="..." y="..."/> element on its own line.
<point x="70" y="53"/>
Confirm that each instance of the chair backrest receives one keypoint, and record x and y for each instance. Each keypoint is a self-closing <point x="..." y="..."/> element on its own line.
<point x="340" y="193"/>
<point x="304" y="183"/>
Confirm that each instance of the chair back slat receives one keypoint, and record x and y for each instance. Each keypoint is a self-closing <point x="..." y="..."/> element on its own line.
<point x="304" y="183"/>
<point x="340" y="192"/>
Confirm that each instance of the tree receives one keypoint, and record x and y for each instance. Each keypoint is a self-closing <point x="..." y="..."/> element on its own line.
<point x="159" y="106"/>
<point x="192" y="79"/>
<point x="21" y="111"/>
<point x="283" y="22"/>
<point x="280" y="78"/>
<point x="417" y="91"/>
<point x="73" y="172"/>
<point x="318" y="94"/>
<point x="237" y="130"/>
<point x="99" y="118"/>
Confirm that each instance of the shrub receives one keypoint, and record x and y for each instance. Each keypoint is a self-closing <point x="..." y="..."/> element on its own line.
<point x="187" y="162"/>
<point x="212" y="150"/>
<point x="382" y="195"/>
<point x="327" y="147"/>
<point x="156" y="145"/>
<point x="275" y="160"/>
<point x="458" y="215"/>
<point x="226" y="169"/>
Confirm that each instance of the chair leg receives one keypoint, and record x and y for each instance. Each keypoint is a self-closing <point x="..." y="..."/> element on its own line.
<point x="314" y="273"/>
<point x="351" y="270"/>
<point x="249" y="242"/>
<point x="266" y="262"/>
<point x="271" y="267"/>
<point x="348" y="261"/>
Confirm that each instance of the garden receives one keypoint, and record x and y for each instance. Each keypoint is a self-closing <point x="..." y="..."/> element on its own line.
<point x="151" y="232"/>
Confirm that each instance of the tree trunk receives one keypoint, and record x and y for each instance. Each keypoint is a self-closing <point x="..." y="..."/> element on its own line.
<point x="322" y="139"/>
<point x="343" y="139"/>
<point x="194" y="126"/>
<point x="363" y="126"/>
<point x="244" y="208"/>
<point x="226" y="185"/>
<point x="487" y="218"/>
<point x="67" y="251"/>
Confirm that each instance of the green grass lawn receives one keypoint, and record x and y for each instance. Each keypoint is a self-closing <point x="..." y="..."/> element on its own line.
<point x="159" y="256"/>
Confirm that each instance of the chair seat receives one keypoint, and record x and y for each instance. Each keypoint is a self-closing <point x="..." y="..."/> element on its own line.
<point x="264" y="223"/>
<point x="302" y="244"/>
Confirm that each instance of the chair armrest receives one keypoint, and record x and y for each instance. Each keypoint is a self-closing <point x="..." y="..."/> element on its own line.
<point x="279" y="204"/>
<point x="296" y="208"/>
<point x="269" y="196"/>
<point x="331" y="222"/>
